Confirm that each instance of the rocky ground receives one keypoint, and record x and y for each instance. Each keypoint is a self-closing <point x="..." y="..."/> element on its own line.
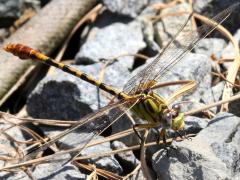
<point x="124" y="27"/>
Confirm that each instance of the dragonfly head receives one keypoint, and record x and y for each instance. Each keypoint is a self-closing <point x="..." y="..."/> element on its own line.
<point x="177" y="118"/>
<point x="173" y="118"/>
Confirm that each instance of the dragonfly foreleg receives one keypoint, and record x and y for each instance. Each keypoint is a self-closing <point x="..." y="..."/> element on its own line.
<point x="142" y="126"/>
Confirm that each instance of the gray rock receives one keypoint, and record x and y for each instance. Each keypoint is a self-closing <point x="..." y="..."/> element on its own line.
<point x="170" y="25"/>
<point x="210" y="46"/>
<point x="217" y="91"/>
<point x="194" y="124"/>
<point x="213" y="95"/>
<point x="9" y="12"/>
<point x="57" y="171"/>
<point x="62" y="96"/>
<point x="55" y="168"/>
<point x="111" y="41"/>
<point x="195" y="67"/>
<point x="126" y="159"/>
<point x="212" y="154"/>
<point x="14" y="175"/>
<point x="148" y="27"/>
<point x="108" y="162"/>
<point x="128" y="7"/>
<point x="10" y="146"/>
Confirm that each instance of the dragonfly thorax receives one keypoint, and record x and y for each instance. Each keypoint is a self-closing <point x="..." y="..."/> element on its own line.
<point x="154" y="110"/>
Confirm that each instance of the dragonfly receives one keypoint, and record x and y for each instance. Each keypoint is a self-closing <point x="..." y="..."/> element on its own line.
<point x="138" y="95"/>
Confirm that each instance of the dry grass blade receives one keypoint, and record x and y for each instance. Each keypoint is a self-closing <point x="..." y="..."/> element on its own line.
<point x="233" y="69"/>
<point x="101" y="172"/>
<point x="134" y="172"/>
<point x="144" y="166"/>
<point x="160" y="5"/>
<point x="233" y="98"/>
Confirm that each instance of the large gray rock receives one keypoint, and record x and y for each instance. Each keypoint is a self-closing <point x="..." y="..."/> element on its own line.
<point x="111" y="41"/>
<point x="170" y="25"/>
<point x="9" y="138"/>
<point x="217" y="91"/>
<point x="14" y="175"/>
<point x="108" y="162"/>
<point x="55" y="168"/>
<point x="194" y="124"/>
<point x="211" y="46"/>
<point x="148" y="28"/>
<point x="126" y="159"/>
<point x="127" y="7"/>
<point x="57" y="171"/>
<point x="212" y="154"/>
<point x="62" y="96"/>
<point x="193" y="66"/>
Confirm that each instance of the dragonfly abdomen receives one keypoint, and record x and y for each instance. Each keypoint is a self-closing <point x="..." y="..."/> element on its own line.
<point x="25" y="52"/>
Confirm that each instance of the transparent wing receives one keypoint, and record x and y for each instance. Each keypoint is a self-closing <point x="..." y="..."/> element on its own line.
<point x="83" y="132"/>
<point x="173" y="53"/>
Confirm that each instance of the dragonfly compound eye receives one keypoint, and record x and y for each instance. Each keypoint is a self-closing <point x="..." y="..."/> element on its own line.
<point x="167" y="119"/>
<point x="176" y="107"/>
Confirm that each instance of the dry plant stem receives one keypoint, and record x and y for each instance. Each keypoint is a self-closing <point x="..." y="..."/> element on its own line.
<point x="49" y="122"/>
<point x="233" y="69"/>
<point x="157" y="18"/>
<point x="93" y="175"/>
<point x="104" y="173"/>
<point x="108" y="153"/>
<point x="48" y="158"/>
<point x="222" y="77"/>
<point x="193" y="22"/>
<point x="45" y="31"/>
<point x="135" y="171"/>
<point x="223" y="60"/>
<point x="160" y="5"/>
<point x="89" y="16"/>
<point x="233" y="98"/>
<point x="145" y="169"/>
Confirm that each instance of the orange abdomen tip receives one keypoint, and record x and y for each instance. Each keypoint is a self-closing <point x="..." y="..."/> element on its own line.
<point x="24" y="52"/>
<point x="20" y="50"/>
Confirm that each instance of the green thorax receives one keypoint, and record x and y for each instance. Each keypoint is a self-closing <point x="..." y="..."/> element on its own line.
<point x="150" y="107"/>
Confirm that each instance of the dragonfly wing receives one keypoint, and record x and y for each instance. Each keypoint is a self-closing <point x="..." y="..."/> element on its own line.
<point x="88" y="127"/>
<point x="174" y="52"/>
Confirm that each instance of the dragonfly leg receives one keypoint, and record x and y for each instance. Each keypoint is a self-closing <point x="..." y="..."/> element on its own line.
<point x="142" y="126"/>
<point x="136" y="132"/>
<point x="167" y="147"/>
<point x="183" y="135"/>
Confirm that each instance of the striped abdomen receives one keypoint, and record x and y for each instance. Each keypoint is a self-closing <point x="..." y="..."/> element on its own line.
<point x="25" y="52"/>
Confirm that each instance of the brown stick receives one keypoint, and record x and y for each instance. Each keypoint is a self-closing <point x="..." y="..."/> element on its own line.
<point x="45" y="32"/>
